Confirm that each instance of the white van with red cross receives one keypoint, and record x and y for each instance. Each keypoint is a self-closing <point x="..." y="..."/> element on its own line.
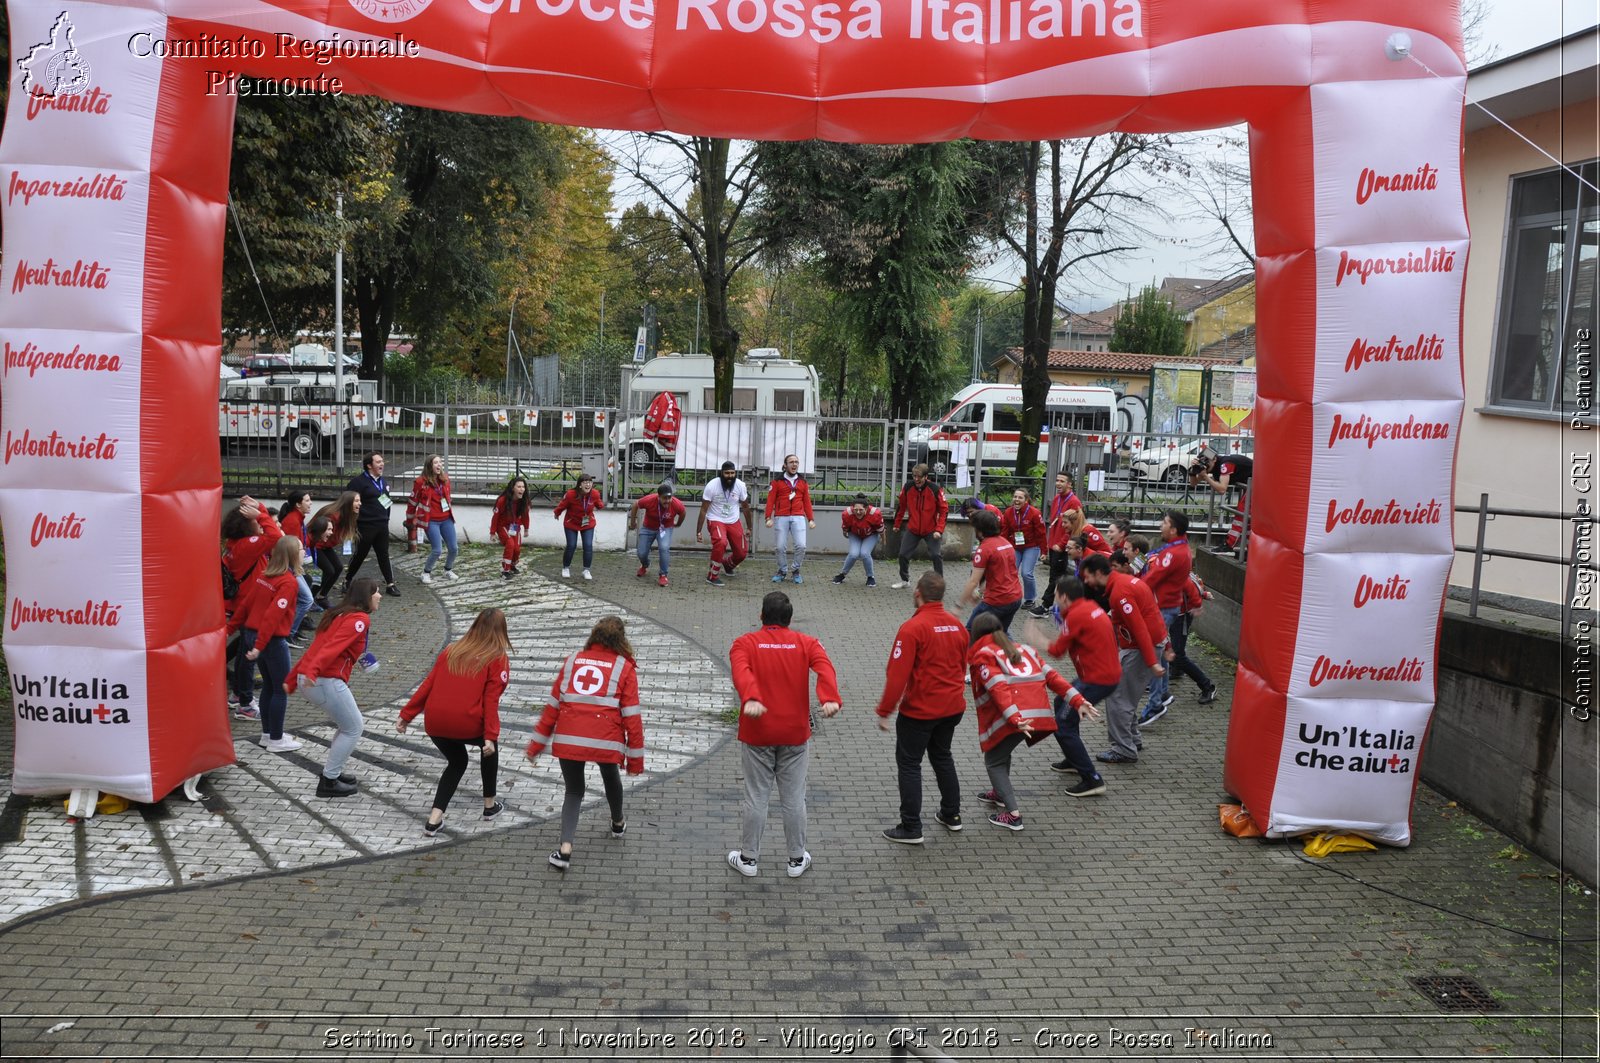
<point x="990" y="415"/>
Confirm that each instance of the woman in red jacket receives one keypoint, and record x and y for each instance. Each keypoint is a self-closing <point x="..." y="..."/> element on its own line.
<point x="460" y="703"/>
<point x="431" y="515"/>
<point x="1012" y="687"/>
<point x="592" y="717"/>
<point x="292" y="518"/>
<point x="576" y="513"/>
<point x="1023" y="524"/>
<point x="248" y="534"/>
<point x="340" y="642"/>
<point x="330" y="548"/>
<point x="264" y="621"/>
<point x="862" y="524"/>
<point x="510" y="523"/>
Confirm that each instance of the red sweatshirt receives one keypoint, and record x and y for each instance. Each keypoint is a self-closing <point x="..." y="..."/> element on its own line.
<point x="461" y="706"/>
<point x="1026" y="522"/>
<point x="430" y="502"/>
<point x="786" y="500"/>
<point x="928" y="666"/>
<point x="1097" y="542"/>
<point x="593" y="712"/>
<point x="333" y="651"/>
<point x="1057" y="534"/>
<point x="1006" y="693"/>
<point x="862" y="527"/>
<point x="921" y="509"/>
<point x="1088" y="637"/>
<point x="774" y="666"/>
<point x="267" y="608"/>
<point x="1167" y="571"/>
<point x="1135" y="616"/>
<point x="579" y="509"/>
<point x="508" y="513"/>
<point x="242" y="555"/>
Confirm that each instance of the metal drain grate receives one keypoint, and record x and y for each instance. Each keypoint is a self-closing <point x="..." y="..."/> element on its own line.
<point x="1455" y="993"/>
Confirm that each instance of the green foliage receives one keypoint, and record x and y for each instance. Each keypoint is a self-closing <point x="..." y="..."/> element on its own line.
<point x="1148" y="325"/>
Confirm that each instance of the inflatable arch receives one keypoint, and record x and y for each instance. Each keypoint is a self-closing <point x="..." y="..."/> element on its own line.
<point x="115" y="160"/>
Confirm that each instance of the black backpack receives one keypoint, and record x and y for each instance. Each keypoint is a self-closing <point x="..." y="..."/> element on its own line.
<point x="230" y="586"/>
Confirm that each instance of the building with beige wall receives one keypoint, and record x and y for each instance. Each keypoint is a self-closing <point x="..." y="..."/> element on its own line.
<point x="1530" y="309"/>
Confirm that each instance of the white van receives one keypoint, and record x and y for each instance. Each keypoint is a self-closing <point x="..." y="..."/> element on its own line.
<point x="996" y="409"/>
<point x="763" y="382"/>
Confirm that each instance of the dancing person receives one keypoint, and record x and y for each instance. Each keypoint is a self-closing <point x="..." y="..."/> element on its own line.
<point x="725" y="500"/>
<point x="432" y="517"/>
<point x="249" y="533"/>
<point x="341" y="641"/>
<point x="1023" y="524"/>
<point x="264" y="621"/>
<point x="1087" y="638"/>
<point x="576" y="513"/>
<point x="1078" y="526"/>
<point x="372" y="521"/>
<point x="994" y="566"/>
<point x="863" y="525"/>
<point x="592" y="717"/>
<point x="922" y="511"/>
<point x="333" y="541"/>
<point x="661" y="514"/>
<point x="459" y="703"/>
<point x="1167" y="571"/>
<point x="925" y="683"/>
<point x="772" y="676"/>
<point x="1056" y="533"/>
<point x="789" y="512"/>
<point x="510" y="522"/>
<point x="1142" y="637"/>
<point x="292" y="519"/>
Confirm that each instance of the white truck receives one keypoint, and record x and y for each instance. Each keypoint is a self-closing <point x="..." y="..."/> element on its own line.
<point x="300" y="407"/>
<point x="763" y="382"/>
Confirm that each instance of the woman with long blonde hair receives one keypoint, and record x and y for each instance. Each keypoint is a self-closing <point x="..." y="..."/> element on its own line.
<point x="460" y="707"/>
<point x="592" y="717"/>
<point x="331" y="532"/>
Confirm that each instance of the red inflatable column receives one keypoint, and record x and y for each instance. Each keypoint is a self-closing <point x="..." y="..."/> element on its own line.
<point x="116" y="170"/>
<point x="1363" y="244"/>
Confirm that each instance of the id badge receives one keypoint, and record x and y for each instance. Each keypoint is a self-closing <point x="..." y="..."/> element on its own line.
<point x="422" y="533"/>
<point x="384" y="501"/>
<point x="345" y="548"/>
<point x="514" y="530"/>
<point x="444" y="505"/>
<point x="1019" y="537"/>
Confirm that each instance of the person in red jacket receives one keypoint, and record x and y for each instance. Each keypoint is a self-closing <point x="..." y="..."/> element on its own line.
<point x="592" y="717"/>
<point x="332" y="532"/>
<point x="994" y="565"/>
<point x="460" y="706"/>
<point x="1166" y="573"/>
<point x="926" y="684"/>
<point x="432" y="516"/>
<point x="264" y="618"/>
<point x="789" y="511"/>
<point x="863" y="525"/>
<point x="292" y="517"/>
<point x="1023" y="524"/>
<point x="576" y="512"/>
<point x="510" y="523"/>
<point x="340" y="641"/>
<point x="661" y="515"/>
<point x="1056" y="533"/>
<point x="1011" y="687"/>
<point x="248" y="535"/>
<point x="1142" y="636"/>
<point x="771" y="674"/>
<point x="922" y="511"/>
<point x="1087" y="637"/>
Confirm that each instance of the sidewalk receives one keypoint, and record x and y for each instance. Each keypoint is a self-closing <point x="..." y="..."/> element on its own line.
<point x="1112" y="918"/>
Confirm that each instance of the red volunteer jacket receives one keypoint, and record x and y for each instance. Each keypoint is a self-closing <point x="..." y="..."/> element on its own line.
<point x="1135" y="616"/>
<point x="1028" y="521"/>
<point x="429" y="503"/>
<point x="295" y="524"/>
<point x="579" y="510"/>
<point x="267" y="608"/>
<point x="506" y="514"/>
<point x="1056" y="534"/>
<point x="333" y="651"/>
<point x="460" y="706"/>
<point x="1097" y="542"/>
<point x="241" y="555"/>
<point x="921" y="509"/>
<point x="1087" y="636"/>
<point x="652" y="511"/>
<point x="863" y="527"/>
<point x="593" y="712"/>
<point x="786" y="501"/>
<point x="927" y="667"/>
<point x="1006" y="693"/>
<point x="661" y="420"/>
<point x="774" y="666"/>
<point x="1167" y="573"/>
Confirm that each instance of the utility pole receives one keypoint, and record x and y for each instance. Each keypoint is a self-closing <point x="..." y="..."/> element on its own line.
<point x="977" y="346"/>
<point x="338" y="338"/>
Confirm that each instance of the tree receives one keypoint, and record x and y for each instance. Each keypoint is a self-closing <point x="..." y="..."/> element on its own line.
<point x="652" y="267"/>
<point x="1147" y="324"/>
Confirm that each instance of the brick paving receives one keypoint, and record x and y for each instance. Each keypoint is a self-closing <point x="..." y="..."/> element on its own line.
<point x="1107" y="920"/>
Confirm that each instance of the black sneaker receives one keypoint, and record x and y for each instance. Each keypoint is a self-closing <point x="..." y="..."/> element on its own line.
<point x="560" y="859"/>
<point x="1062" y="767"/>
<point x="1087" y="788"/>
<point x="1155" y="714"/>
<point x="1112" y="756"/>
<point x="493" y="810"/>
<point x="393" y="591"/>
<point x="839" y="578"/>
<point x="903" y="834"/>
<point x="430" y="828"/>
<point x="1208" y="695"/>
<point x="951" y="824"/>
<point x="327" y="787"/>
<point x="618" y="829"/>
<point x="714" y="582"/>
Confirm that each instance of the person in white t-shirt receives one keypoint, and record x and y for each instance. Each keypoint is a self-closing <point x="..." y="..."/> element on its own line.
<point x="726" y="501"/>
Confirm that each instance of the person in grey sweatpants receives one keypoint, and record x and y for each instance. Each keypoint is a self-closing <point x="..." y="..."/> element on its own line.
<point x="1123" y="704"/>
<point x="772" y="675"/>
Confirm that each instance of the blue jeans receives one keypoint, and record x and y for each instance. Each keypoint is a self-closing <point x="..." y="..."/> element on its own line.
<point x="791" y="542"/>
<point x="661" y="540"/>
<point x="572" y="546"/>
<point x="1027" y="561"/>
<point x="333" y="697"/>
<point x="441" y="535"/>
<point x="1004" y="612"/>
<point x="274" y="662"/>
<point x="302" y="605"/>
<point x="1067" y="719"/>
<point x="1178" y="631"/>
<point x="862" y="549"/>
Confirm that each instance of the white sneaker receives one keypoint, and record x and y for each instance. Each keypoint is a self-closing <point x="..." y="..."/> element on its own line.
<point x="426" y="577"/>
<point x="281" y="745"/>
<point x="587" y="574"/>
<point x="736" y="860"/>
<point x="798" y="867"/>
<point x="899" y="583"/>
<point x="566" y="573"/>
<point x="451" y="573"/>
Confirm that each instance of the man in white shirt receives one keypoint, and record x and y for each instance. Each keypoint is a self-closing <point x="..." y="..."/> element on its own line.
<point x="726" y="501"/>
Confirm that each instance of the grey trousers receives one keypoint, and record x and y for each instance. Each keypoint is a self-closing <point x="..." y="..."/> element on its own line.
<point x="1122" y="707"/>
<point x="764" y="765"/>
<point x="998" y="763"/>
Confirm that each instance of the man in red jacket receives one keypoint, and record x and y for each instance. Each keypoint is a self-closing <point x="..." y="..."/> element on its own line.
<point x="1166" y="573"/>
<point x="772" y="676"/>
<point x="1088" y="639"/>
<point x="922" y="510"/>
<point x="926" y="684"/>
<point x="1142" y="636"/>
<point x="789" y="510"/>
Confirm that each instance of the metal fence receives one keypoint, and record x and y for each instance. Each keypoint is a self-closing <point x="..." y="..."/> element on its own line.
<point x="1579" y="563"/>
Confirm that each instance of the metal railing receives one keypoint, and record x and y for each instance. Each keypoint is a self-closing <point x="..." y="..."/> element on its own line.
<point x="1579" y="557"/>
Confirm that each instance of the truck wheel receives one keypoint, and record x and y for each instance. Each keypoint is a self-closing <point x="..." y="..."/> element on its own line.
<point x="306" y="444"/>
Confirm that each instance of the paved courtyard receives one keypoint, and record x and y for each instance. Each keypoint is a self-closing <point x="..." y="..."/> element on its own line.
<point x="268" y="923"/>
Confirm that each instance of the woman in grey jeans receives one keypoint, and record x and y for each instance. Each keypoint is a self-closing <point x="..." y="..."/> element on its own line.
<point x="340" y="642"/>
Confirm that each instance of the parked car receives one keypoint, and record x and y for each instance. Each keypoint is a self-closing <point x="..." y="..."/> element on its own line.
<point x="1169" y="462"/>
<point x="262" y="364"/>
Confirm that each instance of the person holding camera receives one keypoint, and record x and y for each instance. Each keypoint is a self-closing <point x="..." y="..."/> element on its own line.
<point x="1220" y="473"/>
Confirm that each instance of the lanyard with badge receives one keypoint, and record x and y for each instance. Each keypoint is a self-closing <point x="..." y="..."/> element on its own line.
<point x="1017" y="521"/>
<point x="588" y="505"/>
<point x="382" y="489"/>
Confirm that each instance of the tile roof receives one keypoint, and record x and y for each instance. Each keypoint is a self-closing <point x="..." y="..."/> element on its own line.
<point x="1113" y="362"/>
